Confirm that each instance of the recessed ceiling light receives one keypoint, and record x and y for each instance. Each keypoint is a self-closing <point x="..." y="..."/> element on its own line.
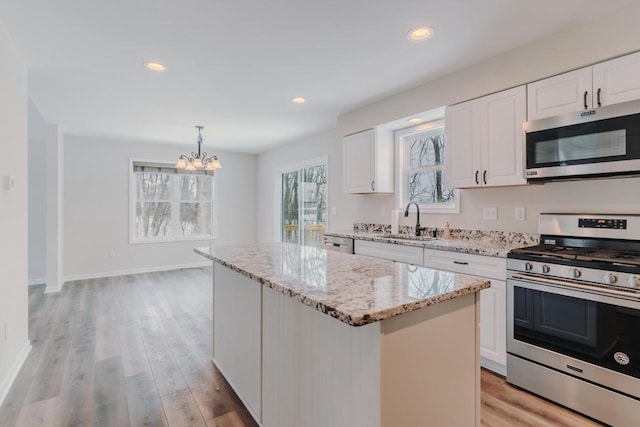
<point x="155" y="66"/>
<point x="415" y="120"/>
<point x="298" y="100"/>
<point x="420" y="33"/>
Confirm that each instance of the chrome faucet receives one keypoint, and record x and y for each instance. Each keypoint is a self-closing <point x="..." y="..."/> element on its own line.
<point x="406" y="214"/>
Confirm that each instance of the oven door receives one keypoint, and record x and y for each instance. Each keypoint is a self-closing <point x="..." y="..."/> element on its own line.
<point x="583" y="333"/>
<point x="604" y="141"/>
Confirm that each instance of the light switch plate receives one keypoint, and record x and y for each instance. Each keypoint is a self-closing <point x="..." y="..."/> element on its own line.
<point x="7" y="183"/>
<point x="490" y="213"/>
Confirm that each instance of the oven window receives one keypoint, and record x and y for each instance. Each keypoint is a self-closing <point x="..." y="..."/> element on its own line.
<point x="587" y="330"/>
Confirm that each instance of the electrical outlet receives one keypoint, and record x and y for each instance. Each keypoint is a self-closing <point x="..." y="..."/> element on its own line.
<point x="334" y="210"/>
<point x="520" y="214"/>
<point x="113" y="253"/>
<point x="490" y="214"/>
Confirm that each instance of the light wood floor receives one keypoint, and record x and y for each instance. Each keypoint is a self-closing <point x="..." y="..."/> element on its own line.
<point x="135" y="350"/>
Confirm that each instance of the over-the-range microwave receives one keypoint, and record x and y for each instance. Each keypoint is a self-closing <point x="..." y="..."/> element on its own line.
<point x="600" y="142"/>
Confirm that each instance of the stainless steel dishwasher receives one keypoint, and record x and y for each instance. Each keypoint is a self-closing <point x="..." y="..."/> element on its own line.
<point x="339" y="244"/>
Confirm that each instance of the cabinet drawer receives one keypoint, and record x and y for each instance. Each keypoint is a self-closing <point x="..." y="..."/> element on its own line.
<point x="477" y="265"/>
<point x="392" y="252"/>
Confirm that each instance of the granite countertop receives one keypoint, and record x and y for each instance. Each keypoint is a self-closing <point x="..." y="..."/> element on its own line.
<point x="354" y="289"/>
<point x="490" y="243"/>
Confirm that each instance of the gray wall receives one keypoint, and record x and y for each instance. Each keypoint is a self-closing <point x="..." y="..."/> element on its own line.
<point x="14" y="345"/>
<point x="96" y="203"/>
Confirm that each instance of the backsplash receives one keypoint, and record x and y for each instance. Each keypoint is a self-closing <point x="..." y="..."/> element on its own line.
<point x="507" y="238"/>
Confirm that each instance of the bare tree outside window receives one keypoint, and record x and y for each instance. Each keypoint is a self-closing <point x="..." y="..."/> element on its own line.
<point x="426" y="177"/>
<point x="304" y="204"/>
<point x="169" y="205"/>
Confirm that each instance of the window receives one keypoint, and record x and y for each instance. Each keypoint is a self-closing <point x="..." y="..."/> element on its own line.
<point x="422" y="176"/>
<point x="168" y="205"/>
<point x="303" y="203"/>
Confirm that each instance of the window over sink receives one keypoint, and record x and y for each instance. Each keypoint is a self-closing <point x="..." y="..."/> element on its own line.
<point x="422" y="177"/>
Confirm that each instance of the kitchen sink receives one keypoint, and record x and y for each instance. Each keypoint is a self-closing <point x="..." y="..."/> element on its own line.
<point x="407" y="237"/>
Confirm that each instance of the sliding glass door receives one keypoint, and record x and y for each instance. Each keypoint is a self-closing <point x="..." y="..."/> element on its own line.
<point x="304" y="204"/>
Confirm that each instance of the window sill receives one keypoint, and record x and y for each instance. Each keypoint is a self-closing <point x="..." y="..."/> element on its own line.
<point x="171" y="240"/>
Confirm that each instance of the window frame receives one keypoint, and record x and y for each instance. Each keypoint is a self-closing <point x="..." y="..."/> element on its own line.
<point x="175" y="202"/>
<point x="324" y="160"/>
<point x="403" y="167"/>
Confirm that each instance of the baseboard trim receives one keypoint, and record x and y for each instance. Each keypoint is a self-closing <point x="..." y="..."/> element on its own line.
<point x="6" y="384"/>
<point x="74" y="277"/>
<point x="493" y="366"/>
<point x="35" y="282"/>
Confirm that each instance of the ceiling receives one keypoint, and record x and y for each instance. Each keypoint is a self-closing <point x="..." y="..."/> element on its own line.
<point x="233" y="66"/>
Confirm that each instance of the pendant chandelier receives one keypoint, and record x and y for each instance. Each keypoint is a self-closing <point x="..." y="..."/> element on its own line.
<point x="198" y="161"/>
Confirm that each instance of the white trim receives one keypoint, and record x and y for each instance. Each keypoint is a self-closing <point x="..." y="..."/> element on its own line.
<point x="6" y="384"/>
<point x="128" y="271"/>
<point x="39" y="281"/>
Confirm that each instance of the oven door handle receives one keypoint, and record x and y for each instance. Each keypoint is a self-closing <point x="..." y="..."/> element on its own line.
<point x="569" y="284"/>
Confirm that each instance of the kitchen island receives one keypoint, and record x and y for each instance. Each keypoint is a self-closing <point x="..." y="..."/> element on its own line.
<point x="310" y="338"/>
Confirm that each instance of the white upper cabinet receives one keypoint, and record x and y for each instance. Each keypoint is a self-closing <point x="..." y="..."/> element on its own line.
<point x="606" y="83"/>
<point x="560" y="94"/>
<point x="368" y="158"/>
<point x="617" y="80"/>
<point x="484" y="140"/>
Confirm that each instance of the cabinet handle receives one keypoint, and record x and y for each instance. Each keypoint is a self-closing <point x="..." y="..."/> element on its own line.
<point x="484" y="177"/>
<point x="585" y="99"/>
<point x="477" y="182"/>
<point x="599" y="103"/>
<point x="460" y="262"/>
<point x="373" y="185"/>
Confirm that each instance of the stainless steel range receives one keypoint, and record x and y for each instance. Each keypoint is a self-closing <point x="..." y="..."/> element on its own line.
<point x="573" y="315"/>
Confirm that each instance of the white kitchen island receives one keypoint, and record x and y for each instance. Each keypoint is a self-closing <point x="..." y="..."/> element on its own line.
<point x="312" y="338"/>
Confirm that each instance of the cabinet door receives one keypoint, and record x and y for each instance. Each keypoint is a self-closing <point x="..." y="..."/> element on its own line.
<point x="560" y="94"/>
<point x="392" y="252"/>
<point x="493" y="326"/>
<point x="502" y="150"/>
<point x="463" y="145"/>
<point x="359" y="162"/>
<point x="617" y="80"/>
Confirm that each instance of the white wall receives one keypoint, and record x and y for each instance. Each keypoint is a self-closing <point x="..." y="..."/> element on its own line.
<point x="617" y="34"/>
<point x="13" y="212"/>
<point x="96" y="207"/>
<point x="37" y="196"/>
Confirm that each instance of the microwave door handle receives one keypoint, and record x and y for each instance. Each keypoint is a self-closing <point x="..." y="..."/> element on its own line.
<point x="585" y="99"/>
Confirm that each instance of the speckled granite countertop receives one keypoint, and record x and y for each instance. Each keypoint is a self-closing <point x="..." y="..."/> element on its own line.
<point x="354" y="289"/>
<point x="490" y="243"/>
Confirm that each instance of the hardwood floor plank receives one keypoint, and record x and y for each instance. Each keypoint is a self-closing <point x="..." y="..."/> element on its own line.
<point x="145" y="406"/>
<point x="182" y="410"/>
<point x="110" y="408"/>
<point x="230" y="419"/>
<point x="42" y="413"/>
<point x="76" y="395"/>
<point x="51" y="370"/>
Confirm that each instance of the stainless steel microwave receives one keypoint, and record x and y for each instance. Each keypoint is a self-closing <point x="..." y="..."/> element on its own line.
<point x="600" y="142"/>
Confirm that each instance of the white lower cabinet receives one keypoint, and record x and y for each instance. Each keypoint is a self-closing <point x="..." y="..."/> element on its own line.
<point x="389" y="251"/>
<point x="493" y="301"/>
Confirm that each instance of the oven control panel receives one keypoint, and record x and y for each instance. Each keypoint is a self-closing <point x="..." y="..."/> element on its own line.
<point x="616" y="224"/>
